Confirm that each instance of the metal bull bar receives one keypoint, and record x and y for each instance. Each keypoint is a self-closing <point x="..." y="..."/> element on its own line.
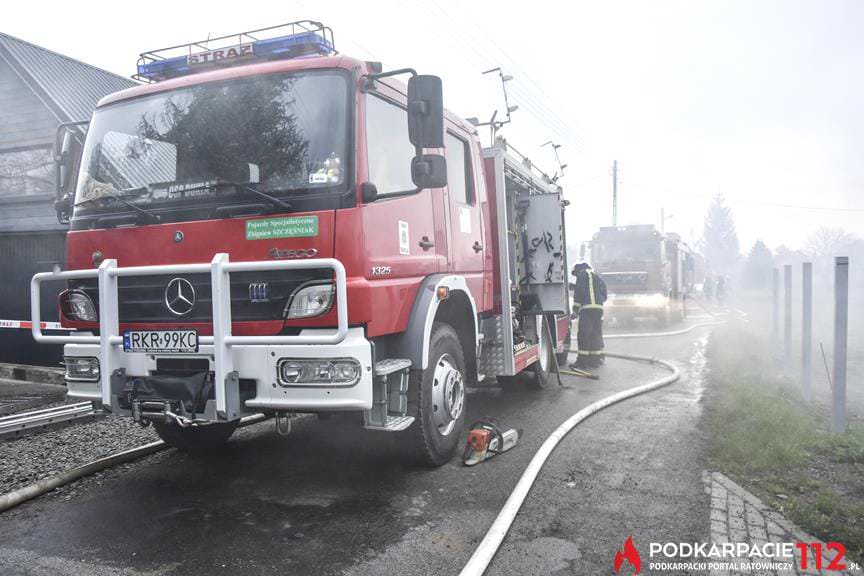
<point x="220" y="267"/>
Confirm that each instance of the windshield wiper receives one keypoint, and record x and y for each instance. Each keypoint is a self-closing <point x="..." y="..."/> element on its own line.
<point x="116" y="197"/>
<point x="272" y="199"/>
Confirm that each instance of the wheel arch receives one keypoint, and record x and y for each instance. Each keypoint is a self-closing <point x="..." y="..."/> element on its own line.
<point x="459" y="310"/>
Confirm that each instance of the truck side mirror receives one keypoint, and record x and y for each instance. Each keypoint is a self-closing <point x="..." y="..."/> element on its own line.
<point x="68" y="146"/>
<point x="425" y="111"/>
<point x="429" y="171"/>
<point x="368" y="192"/>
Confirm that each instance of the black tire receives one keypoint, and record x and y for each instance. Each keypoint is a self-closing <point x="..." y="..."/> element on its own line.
<point x="664" y="318"/>
<point x="196" y="439"/>
<point x="544" y="367"/>
<point x="563" y="358"/>
<point x="433" y="439"/>
<point x="509" y="383"/>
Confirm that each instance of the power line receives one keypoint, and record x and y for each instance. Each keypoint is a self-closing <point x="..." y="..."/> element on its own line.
<point x="603" y="174"/>
<point x="543" y="111"/>
<point x="546" y="117"/>
<point x="529" y="87"/>
<point x="772" y="204"/>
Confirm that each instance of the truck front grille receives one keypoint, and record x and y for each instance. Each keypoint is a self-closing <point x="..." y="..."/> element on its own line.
<point x="142" y="299"/>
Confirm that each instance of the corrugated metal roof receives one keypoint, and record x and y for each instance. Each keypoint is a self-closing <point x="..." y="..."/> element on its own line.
<point x="73" y="88"/>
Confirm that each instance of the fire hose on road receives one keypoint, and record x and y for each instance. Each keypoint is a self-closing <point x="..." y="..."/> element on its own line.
<point x="488" y="547"/>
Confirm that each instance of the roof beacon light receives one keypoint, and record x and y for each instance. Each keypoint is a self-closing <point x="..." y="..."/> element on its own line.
<point x="299" y="39"/>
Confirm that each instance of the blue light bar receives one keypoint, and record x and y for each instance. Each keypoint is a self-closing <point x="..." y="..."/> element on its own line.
<point x="198" y="56"/>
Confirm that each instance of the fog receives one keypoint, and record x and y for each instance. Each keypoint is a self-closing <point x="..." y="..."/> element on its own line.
<point x="757" y="100"/>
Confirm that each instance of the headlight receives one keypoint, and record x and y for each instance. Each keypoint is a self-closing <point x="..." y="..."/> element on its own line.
<point x="652" y="300"/>
<point x="334" y="372"/>
<point x="77" y="305"/>
<point x="82" y="369"/>
<point x="310" y="300"/>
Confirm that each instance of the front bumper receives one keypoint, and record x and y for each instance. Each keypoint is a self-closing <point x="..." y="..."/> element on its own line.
<point x="254" y="363"/>
<point x="232" y="359"/>
<point x="636" y="304"/>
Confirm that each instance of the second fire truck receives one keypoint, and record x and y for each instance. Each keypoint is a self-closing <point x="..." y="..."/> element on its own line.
<point x="647" y="273"/>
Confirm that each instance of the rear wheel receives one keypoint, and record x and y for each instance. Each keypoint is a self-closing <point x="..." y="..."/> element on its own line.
<point x="562" y="357"/>
<point x="664" y="317"/>
<point x="437" y="398"/>
<point x="205" y="438"/>
<point x="544" y="367"/>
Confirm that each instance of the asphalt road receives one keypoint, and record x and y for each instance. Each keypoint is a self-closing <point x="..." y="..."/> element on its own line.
<point x="331" y="499"/>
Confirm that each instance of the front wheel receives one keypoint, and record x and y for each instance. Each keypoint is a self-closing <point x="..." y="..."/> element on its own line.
<point x="206" y="438"/>
<point x="437" y="401"/>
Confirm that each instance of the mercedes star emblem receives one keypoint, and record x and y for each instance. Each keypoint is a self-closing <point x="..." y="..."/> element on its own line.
<point x="180" y="296"/>
<point x="178" y="236"/>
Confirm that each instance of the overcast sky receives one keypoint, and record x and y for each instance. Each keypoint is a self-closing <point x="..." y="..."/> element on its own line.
<point x="759" y="100"/>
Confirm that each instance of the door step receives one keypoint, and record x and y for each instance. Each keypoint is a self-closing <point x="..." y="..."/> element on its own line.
<point x="389" y="396"/>
<point x="393" y="424"/>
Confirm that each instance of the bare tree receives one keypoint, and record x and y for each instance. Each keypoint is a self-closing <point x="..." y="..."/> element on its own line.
<point x="26" y="172"/>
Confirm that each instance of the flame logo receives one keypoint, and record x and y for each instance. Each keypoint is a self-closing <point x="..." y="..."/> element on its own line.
<point x="630" y="554"/>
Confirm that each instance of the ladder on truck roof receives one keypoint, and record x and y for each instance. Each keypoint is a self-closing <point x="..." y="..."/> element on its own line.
<point x="519" y="168"/>
<point x="285" y="41"/>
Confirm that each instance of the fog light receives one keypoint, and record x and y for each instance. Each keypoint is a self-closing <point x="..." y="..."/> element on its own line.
<point x="77" y="305"/>
<point x="318" y="372"/>
<point x="82" y="369"/>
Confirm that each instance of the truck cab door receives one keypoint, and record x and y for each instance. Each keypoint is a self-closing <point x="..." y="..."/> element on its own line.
<point x="400" y="229"/>
<point x="466" y="249"/>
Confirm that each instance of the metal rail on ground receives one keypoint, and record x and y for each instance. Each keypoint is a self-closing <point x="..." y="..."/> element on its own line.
<point x="21" y="495"/>
<point x="15" y="424"/>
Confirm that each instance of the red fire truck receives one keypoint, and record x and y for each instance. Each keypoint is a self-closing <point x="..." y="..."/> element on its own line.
<point x="647" y="273"/>
<point x="268" y="226"/>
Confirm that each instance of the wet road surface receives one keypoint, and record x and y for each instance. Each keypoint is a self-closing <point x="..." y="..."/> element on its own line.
<point x="332" y="499"/>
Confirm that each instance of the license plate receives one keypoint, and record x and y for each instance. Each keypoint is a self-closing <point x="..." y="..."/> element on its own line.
<point x="161" y="341"/>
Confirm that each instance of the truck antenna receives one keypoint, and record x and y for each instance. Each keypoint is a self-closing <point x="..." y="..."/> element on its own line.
<point x="495" y="125"/>
<point x="560" y="172"/>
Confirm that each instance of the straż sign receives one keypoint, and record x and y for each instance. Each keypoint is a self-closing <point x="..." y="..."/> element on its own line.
<point x="230" y="53"/>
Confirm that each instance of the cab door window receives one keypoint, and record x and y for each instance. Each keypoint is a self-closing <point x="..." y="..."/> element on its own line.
<point x="460" y="181"/>
<point x="388" y="148"/>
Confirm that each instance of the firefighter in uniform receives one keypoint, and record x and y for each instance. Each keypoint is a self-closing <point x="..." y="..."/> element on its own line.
<point x="589" y="295"/>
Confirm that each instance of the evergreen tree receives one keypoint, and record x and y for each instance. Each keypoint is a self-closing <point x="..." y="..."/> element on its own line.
<point x="720" y="239"/>
<point x="760" y="261"/>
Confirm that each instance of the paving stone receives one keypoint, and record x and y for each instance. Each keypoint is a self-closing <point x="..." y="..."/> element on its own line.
<point x="737" y="524"/>
<point x="738" y="516"/>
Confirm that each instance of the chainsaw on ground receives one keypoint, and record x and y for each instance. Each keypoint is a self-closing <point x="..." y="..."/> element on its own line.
<point x="485" y="440"/>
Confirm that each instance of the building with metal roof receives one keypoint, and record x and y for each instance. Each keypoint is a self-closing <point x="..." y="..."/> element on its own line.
<point x="39" y="89"/>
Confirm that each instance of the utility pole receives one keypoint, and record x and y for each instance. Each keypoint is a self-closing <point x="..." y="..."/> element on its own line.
<point x="662" y="220"/>
<point x="615" y="193"/>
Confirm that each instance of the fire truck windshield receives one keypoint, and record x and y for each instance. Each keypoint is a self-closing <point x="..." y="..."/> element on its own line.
<point x="285" y="135"/>
<point x="632" y="250"/>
